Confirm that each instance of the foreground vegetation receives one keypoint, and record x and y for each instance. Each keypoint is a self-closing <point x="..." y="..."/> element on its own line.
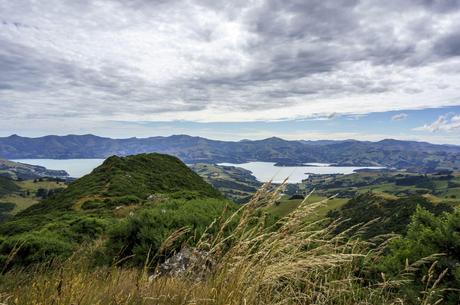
<point x="255" y="262"/>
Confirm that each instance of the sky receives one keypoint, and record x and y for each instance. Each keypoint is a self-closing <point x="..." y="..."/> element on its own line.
<point x="296" y="69"/>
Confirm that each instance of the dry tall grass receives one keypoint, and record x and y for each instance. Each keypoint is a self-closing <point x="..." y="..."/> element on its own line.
<point x="291" y="262"/>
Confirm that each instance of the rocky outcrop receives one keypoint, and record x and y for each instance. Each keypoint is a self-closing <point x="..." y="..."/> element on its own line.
<point x="191" y="263"/>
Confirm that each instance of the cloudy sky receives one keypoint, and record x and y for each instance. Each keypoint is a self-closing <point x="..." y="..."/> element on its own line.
<point x="336" y="69"/>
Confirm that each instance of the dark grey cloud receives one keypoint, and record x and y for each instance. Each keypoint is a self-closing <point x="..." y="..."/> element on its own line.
<point x="214" y="60"/>
<point x="448" y="45"/>
<point x="442" y="6"/>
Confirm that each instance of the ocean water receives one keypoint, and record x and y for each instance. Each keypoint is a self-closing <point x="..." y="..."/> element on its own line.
<point x="265" y="171"/>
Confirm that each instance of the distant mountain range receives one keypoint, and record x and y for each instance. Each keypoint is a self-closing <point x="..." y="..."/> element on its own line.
<point x="411" y="155"/>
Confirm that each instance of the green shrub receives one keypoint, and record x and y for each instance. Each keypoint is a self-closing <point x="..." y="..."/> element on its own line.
<point x="87" y="228"/>
<point x="428" y="234"/>
<point x="43" y="238"/>
<point x="134" y="238"/>
<point x="23" y="225"/>
<point x="34" y="247"/>
<point x="93" y="204"/>
<point x="122" y="200"/>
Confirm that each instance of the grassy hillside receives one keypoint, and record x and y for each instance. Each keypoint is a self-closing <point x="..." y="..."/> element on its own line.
<point x="439" y="186"/>
<point x="95" y="204"/>
<point x="16" y="196"/>
<point x="392" y="214"/>
<point x="237" y="184"/>
<point x="120" y="180"/>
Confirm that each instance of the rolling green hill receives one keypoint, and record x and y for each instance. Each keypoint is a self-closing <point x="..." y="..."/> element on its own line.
<point x="112" y="195"/>
<point x="132" y="179"/>
<point x="236" y="183"/>
<point x="392" y="215"/>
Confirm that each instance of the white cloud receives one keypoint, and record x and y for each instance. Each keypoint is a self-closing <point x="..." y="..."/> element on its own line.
<point x="215" y="61"/>
<point x="447" y="123"/>
<point x="399" y="117"/>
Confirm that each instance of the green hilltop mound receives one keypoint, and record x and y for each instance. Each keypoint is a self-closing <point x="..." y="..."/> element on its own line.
<point x="129" y="180"/>
<point x="143" y="174"/>
<point x="112" y="196"/>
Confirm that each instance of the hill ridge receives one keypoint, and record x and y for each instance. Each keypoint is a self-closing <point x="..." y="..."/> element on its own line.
<point x="119" y="180"/>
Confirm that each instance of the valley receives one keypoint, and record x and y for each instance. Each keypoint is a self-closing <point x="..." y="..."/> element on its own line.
<point x="23" y="194"/>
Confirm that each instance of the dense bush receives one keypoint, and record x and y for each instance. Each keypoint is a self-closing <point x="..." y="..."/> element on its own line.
<point x="297" y="197"/>
<point x="58" y="234"/>
<point x="40" y="239"/>
<point x="428" y="234"/>
<point x="6" y="207"/>
<point x="110" y="202"/>
<point x="46" y="193"/>
<point x="137" y="236"/>
<point x="87" y="228"/>
<point x="34" y="247"/>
